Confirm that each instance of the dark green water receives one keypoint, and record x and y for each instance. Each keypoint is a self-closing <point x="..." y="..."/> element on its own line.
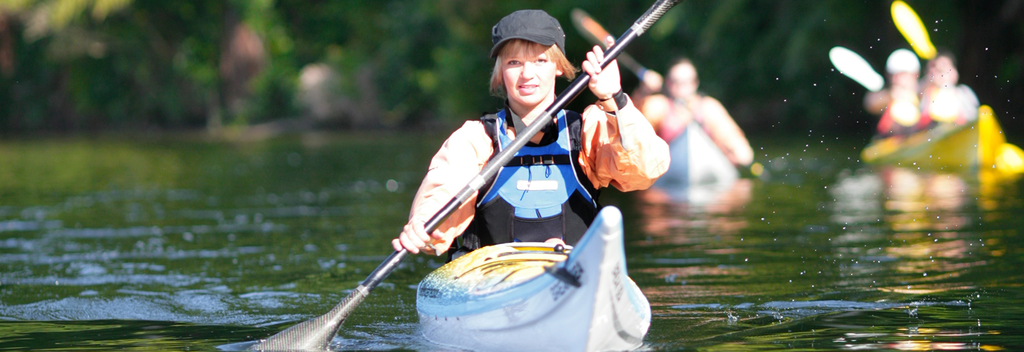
<point x="183" y="244"/>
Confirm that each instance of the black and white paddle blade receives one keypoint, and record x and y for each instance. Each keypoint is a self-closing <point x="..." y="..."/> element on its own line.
<point x="314" y="334"/>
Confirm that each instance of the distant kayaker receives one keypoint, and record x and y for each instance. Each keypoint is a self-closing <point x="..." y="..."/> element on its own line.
<point x="898" y="104"/>
<point x="671" y="114"/>
<point x="943" y="100"/>
<point x="548" y="192"/>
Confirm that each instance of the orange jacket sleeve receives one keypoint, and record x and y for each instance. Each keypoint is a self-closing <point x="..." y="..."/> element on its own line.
<point x="460" y="158"/>
<point x="621" y="149"/>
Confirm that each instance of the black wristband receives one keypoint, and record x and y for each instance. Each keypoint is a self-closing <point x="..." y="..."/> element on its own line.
<point x="621" y="99"/>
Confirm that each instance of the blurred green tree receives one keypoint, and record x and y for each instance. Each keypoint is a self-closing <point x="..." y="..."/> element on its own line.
<point x="143" y="64"/>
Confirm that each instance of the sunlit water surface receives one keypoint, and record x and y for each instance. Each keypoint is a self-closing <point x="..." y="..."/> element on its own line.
<point x="185" y="244"/>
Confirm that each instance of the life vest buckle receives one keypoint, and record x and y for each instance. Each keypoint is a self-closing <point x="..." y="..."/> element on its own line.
<point x="530" y="160"/>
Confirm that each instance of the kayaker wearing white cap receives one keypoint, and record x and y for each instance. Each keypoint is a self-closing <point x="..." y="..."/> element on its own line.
<point x="898" y="104"/>
<point x="549" y="190"/>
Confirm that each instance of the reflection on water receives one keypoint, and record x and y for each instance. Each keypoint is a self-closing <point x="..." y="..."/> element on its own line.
<point x="193" y="245"/>
<point x="705" y="205"/>
<point x="113" y="234"/>
<point x="850" y="259"/>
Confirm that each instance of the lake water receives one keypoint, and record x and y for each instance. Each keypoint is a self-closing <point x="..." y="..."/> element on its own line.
<point x="179" y="243"/>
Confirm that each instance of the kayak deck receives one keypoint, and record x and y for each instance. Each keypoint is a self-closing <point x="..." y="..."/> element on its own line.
<point x="490" y="269"/>
<point x="536" y="297"/>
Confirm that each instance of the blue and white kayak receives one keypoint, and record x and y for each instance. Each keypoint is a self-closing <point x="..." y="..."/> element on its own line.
<point x="524" y="296"/>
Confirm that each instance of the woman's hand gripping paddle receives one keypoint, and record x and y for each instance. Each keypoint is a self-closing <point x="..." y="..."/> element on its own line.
<point x="317" y="333"/>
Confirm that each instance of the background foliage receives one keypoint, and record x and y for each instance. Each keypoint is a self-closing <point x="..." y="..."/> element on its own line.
<point x="84" y="65"/>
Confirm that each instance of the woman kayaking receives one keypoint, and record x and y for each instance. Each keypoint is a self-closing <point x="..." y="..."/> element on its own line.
<point x="683" y="103"/>
<point x="548" y="191"/>
<point x="943" y="99"/>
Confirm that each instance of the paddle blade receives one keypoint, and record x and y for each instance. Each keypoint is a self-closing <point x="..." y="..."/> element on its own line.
<point x="590" y="29"/>
<point x="314" y="334"/>
<point x="854" y="66"/>
<point x="913" y="29"/>
<point x="595" y="33"/>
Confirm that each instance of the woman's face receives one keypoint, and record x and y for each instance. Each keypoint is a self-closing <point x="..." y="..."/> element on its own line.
<point x="942" y="73"/>
<point x="682" y="81"/>
<point x="529" y="76"/>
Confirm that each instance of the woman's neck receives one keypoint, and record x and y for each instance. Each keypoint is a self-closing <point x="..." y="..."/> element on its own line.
<point x="530" y="113"/>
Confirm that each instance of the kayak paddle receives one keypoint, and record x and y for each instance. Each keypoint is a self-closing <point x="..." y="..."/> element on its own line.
<point x="854" y="66"/>
<point x="913" y="29"/>
<point x="317" y="333"/>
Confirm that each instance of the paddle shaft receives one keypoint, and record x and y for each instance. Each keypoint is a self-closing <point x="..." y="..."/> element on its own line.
<point x="317" y="333"/>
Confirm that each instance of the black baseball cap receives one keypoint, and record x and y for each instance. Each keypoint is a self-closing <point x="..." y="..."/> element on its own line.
<point x="534" y="25"/>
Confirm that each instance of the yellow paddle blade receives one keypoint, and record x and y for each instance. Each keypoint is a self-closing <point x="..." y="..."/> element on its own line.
<point x="1010" y="159"/>
<point x="913" y="29"/>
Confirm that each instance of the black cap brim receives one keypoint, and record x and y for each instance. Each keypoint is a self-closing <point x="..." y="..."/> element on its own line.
<point x="542" y="41"/>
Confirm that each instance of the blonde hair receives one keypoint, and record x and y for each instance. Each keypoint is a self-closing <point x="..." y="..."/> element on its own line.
<point x="517" y="46"/>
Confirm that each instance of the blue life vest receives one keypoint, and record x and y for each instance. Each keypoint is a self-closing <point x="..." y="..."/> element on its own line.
<point x="541" y="193"/>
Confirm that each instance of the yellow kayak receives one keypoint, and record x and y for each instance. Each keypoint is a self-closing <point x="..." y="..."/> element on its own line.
<point x="979" y="145"/>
